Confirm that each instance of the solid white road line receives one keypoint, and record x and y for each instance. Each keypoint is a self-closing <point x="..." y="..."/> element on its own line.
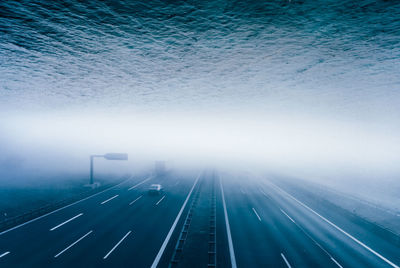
<point x="67" y="221"/>
<point x="284" y="258"/>
<point x="287" y="216"/>
<point x="159" y="201"/>
<point x="140" y="183"/>
<point x="255" y="212"/>
<point x="164" y="245"/>
<point x="340" y="229"/>
<point x="54" y="211"/>
<point x="70" y="246"/>
<point x="338" y="264"/>
<point x="4" y="254"/>
<point x="120" y="241"/>
<point x="109" y="199"/>
<point x="312" y="239"/>
<point x="135" y="200"/>
<point x="228" y="228"/>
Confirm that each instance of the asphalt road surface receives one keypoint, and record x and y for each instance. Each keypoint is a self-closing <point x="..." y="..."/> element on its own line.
<point x="202" y="220"/>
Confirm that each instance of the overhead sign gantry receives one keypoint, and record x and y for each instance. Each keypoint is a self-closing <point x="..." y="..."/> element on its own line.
<point x="108" y="156"/>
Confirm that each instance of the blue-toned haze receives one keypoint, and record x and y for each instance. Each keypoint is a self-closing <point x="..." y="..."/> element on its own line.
<point x="302" y="89"/>
<point x="292" y="83"/>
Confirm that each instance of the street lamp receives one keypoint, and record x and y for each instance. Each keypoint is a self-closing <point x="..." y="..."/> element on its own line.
<point x="109" y="156"/>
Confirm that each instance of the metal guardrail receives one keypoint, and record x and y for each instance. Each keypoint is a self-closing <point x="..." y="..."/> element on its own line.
<point x="176" y="256"/>
<point x="212" y="236"/>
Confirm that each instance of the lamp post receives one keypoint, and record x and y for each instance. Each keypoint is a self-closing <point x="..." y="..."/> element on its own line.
<point x="109" y="156"/>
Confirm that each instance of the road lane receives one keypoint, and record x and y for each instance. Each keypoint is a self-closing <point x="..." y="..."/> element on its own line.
<point x="172" y="229"/>
<point x="228" y="226"/>
<point x="122" y="218"/>
<point x="62" y="210"/>
<point x="251" y="242"/>
<point x="46" y="244"/>
<point x="57" y="215"/>
<point x="257" y="225"/>
<point x="294" y="244"/>
<point x="261" y="232"/>
<point x="107" y="225"/>
<point x="343" y="247"/>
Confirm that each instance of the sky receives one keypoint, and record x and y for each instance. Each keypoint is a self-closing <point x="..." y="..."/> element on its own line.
<point x="284" y="84"/>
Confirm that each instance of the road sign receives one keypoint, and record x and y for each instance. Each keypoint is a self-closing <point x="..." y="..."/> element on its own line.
<point x="116" y="156"/>
<point x="109" y="156"/>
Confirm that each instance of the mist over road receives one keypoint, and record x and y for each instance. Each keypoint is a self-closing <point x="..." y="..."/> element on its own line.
<point x="304" y="86"/>
<point x="308" y="89"/>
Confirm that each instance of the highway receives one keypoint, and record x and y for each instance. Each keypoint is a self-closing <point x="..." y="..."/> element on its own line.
<point x="273" y="228"/>
<point x="209" y="219"/>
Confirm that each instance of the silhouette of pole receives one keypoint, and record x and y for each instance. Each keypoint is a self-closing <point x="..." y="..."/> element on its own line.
<point x="91" y="166"/>
<point x="91" y="169"/>
<point x="109" y="156"/>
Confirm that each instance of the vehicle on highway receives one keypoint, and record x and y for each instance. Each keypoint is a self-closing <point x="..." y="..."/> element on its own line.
<point x="155" y="189"/>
